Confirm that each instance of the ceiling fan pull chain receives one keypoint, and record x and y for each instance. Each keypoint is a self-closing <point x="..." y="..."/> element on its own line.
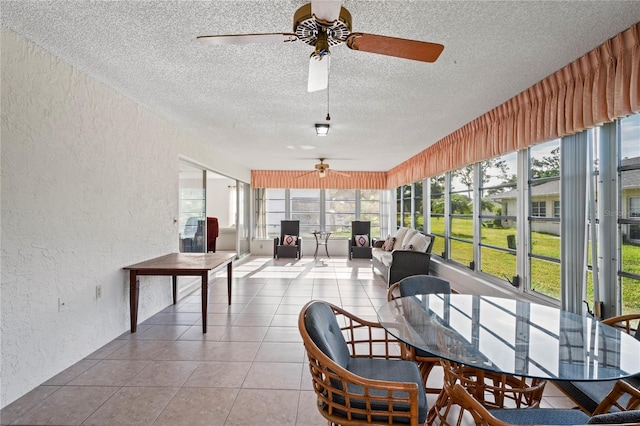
<point x="328" y="116"/>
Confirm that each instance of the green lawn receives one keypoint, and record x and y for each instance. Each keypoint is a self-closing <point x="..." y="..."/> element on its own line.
<point x="545" y="276"/>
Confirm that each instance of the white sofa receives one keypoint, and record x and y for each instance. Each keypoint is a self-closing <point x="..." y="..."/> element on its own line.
<point x="410" y="255"/>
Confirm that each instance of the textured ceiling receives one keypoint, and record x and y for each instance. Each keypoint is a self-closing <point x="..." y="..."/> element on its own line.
<point x="251" y="103"/>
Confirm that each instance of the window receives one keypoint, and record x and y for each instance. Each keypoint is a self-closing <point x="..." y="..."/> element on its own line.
<point x="491" y="237"/>
<point x="399" y="206"/>
<point x="629" y="219"/>
<point x="340" y="211"/>
<point x="539" y="208"/>
<point x="405" y="205"/>
<point x="461" y="216"/>
<point x="305" y="207"/>
<point x="634" y="212"/>
<point x="418" y="206"/>
<point x="370" y="210"/>
<point x="634" y="206"/>
<point x="436" y="217"/>
<point x="498" y="229"/>
<point x="317" y="210"/>
<point x="407" y="198"/>
<point x="544" y="232"/>
<point x="275" y="210"/>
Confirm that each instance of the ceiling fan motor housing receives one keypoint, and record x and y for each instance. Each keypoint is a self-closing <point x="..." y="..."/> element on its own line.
<point x="322" y="166"/>
<point x="308" y="28"/>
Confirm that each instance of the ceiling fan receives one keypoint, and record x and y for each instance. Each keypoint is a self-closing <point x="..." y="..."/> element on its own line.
<point x="325" y="23"/>
<point x="323" y="169"/>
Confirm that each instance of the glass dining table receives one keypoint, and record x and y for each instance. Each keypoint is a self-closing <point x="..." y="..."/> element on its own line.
<point x="480" y="337"/>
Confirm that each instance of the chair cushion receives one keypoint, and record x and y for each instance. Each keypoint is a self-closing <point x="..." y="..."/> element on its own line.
<point x="423" y="284"/>
<point x="362" y="240"/>
<point x="389" y="370"/>
<point x="589" y="394"/>
<point x="541" y="416"/>
<point x="289" y="240"/>
<point x="323" y="328"/>
<point x="384" y="257"/>
<point x="632" y="416"/>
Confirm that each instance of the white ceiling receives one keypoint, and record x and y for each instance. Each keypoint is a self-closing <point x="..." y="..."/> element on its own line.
<point x="251" y="103"/>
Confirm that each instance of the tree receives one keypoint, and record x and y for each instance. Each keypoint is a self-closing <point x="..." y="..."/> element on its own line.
<point x="437" y="184"/>
<point x="548" y="166"/>
<point x="461" y="204"/>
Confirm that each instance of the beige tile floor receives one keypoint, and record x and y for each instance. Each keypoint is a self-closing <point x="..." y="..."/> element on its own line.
<point x="248" y="369"/>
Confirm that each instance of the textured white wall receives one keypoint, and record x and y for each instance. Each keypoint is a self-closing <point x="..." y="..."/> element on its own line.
<point x="89" y="185"/>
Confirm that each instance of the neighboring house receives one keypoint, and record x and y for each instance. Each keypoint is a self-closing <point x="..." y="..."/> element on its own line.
<point x="545" y="202"/>
<point x="631" y="199"/>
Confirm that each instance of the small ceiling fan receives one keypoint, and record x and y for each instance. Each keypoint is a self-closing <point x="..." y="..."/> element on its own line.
<point x="322" y="169"/>
<point x="325" y="23"/>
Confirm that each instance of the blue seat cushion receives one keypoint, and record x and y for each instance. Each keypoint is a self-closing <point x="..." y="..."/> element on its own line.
<point x="632" y="416"/>
<point x="541" y="416"/>
<point x="388" y="370"/>
<point x="423" y="284"/>
<point x="323" y="328"/>
<point x="589" y="394"/>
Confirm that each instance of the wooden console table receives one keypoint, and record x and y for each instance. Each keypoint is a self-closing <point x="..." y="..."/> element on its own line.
<point x="179" y="264"/>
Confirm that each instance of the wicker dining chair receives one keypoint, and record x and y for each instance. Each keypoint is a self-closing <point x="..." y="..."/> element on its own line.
<point x="553" y="416"/>
<point x="589" y="394"/>
<point x="356" y="369"/>
<point x="630" y="323"/>
<point x="411" y="286"/>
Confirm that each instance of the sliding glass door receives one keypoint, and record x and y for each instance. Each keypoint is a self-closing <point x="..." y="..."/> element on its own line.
<point x="192" y="205"/>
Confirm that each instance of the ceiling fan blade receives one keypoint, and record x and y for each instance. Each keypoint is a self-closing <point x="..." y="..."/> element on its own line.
<point x="318" y="73"/>
<point x="305" y="174"/>
<point x="392" y="46"/>
<point x="340" y="173"/>
<point x="326" y="11"/>
<point x="247" y="38"/>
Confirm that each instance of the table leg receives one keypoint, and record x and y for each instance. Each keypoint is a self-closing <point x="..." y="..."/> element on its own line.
<point x="134" y="287"/>
<point x="326" y="248"/>
<point x="175" y="289"/>
<point x="229" y="279"/>
<point x="205" y="292"/>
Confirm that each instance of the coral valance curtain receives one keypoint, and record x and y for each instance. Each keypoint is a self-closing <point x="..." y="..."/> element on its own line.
<point x="597" y="88"/>
<point x="304" y="179"/>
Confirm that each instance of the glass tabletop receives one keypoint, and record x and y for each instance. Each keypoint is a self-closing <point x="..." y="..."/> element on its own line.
<point x="512" y="336"/>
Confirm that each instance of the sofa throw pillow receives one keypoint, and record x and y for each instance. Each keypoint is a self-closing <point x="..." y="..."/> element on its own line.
<point x="362" y="240"/>
<point x="408" y="235"/>
<point x="388" y="244"/>
<point x="289" y="240"/>
<point x="420" y="242"/>
<point x="399" y="236"/>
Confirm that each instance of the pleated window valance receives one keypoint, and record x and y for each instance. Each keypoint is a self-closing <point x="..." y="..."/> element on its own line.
<point x="597" y="88"/>
<point x="304" y="179"/>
